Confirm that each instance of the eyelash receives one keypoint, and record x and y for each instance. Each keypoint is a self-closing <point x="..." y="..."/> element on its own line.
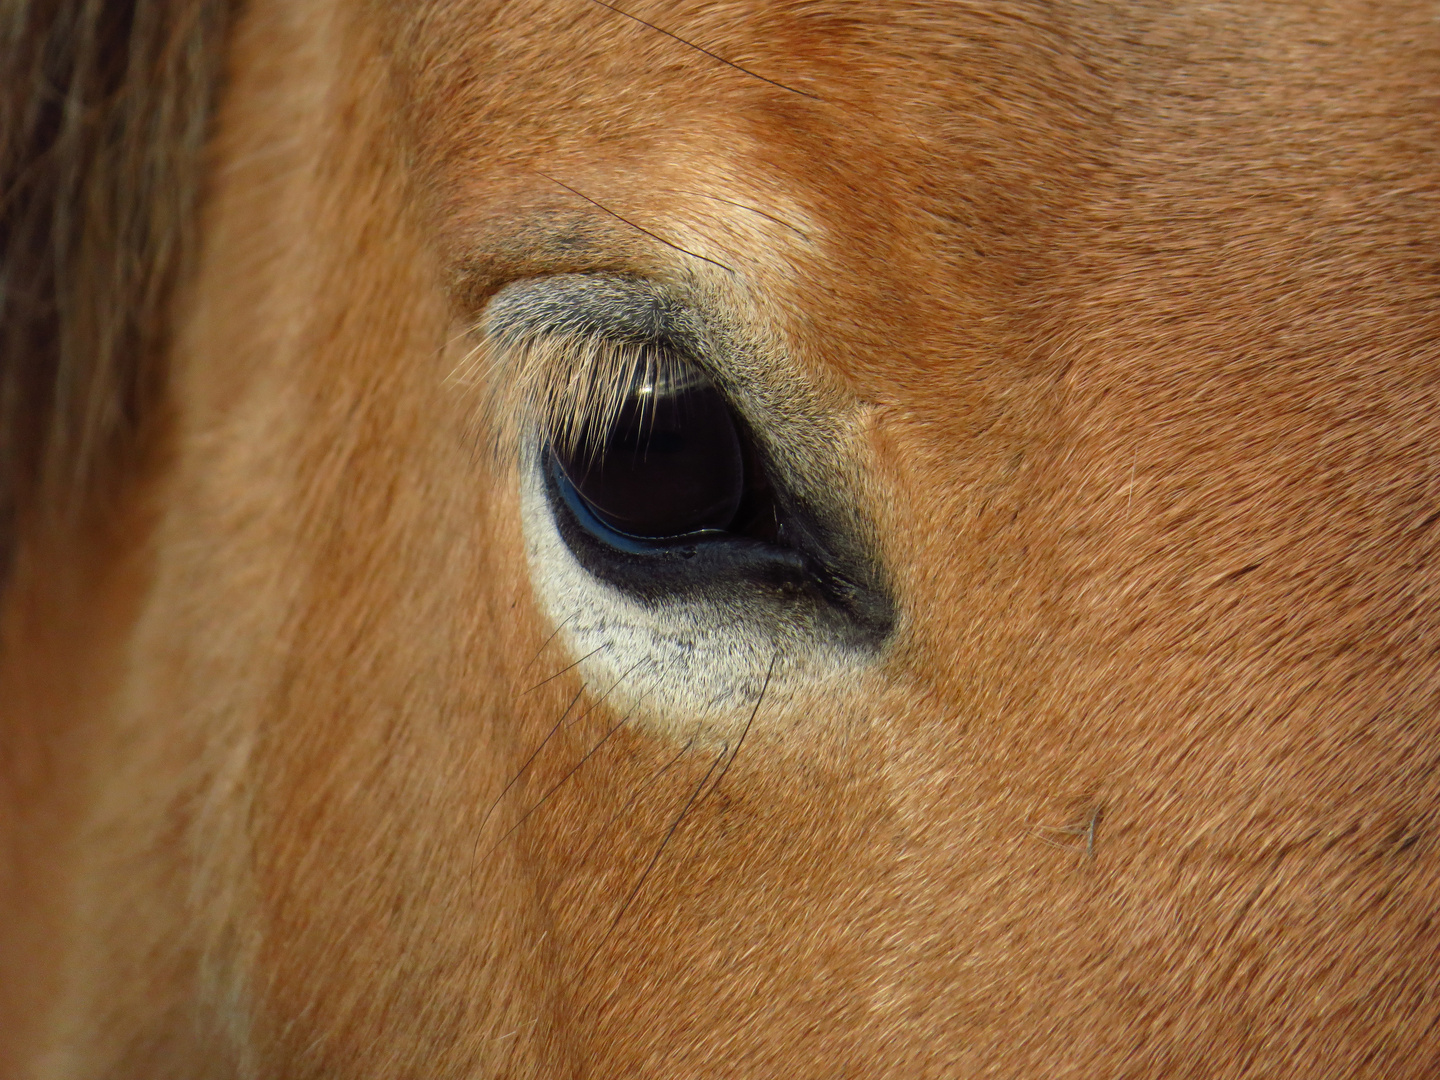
<point x="672" y="462"/>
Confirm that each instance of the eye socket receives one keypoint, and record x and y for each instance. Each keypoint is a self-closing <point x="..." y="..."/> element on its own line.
<point x="670" y="463"/>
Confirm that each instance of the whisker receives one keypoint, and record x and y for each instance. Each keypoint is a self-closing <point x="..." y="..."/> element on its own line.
<point x="611" y="689"/>
<point x="707" y="52"/>
<point x="654" y="859"/>
<point x="560" y="783"/>
<point x="644" y="787"/>
<point x="528" y="761"/>
<point x="638" y="228"/>
<point x="623" y="721"/>
<point x="753" y="712"/>
<point x="567" y="667"/>
<point x="550" y="735"/>
<point x="546" y="644"/>
<point x="743" y="206"/>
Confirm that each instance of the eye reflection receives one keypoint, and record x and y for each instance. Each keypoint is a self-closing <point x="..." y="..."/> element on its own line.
<point x="669" y="464"/>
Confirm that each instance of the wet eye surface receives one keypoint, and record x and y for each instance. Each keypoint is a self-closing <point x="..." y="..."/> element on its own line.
<point x="669" y="464"/>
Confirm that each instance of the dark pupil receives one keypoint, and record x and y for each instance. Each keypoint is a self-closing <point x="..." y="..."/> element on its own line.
<point x="669" y="464"/>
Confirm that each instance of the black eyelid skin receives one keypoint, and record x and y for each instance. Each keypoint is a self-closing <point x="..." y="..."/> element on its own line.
<point x="721" y="566"/>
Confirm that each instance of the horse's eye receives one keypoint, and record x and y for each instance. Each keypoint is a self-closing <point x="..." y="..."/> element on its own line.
<point x="669" y="463"/>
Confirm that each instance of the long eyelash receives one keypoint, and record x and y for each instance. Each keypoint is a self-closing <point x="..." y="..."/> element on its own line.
<point x="567" y="388"/>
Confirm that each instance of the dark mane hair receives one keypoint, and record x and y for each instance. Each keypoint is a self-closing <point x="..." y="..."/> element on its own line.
<point x="104" y="106"/>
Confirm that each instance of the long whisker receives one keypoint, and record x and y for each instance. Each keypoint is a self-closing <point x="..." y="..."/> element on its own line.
<point x="637" y="228"/>
<point x="623" y="721"/>
<point x="528" y="761"/>
<point x="559" y="784"/>
<point x="644" y="787"/>
<point x="753" y="712"/>
<point x="611" y="688"/>
<point x="543" y="742"/>
<point x="545" y="644"/>
<point x="707" y="52"/>
<point x="655" y="858"/>
<point x="563" y="670"/>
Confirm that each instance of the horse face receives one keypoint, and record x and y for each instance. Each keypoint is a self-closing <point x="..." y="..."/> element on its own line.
<point x="1019" y="658"/>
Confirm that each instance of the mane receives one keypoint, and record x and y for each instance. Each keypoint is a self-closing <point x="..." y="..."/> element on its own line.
<point x="103" y="119"/>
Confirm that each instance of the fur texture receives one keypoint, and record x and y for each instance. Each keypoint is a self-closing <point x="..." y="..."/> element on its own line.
<point x="1108" y="334"/>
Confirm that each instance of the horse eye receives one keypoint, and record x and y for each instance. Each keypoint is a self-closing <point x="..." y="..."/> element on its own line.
<point x="669" y="464"/>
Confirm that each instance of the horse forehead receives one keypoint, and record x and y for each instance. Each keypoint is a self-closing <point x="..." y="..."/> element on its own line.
<point x="818" y="149"/>
<point x="928" y="186"/>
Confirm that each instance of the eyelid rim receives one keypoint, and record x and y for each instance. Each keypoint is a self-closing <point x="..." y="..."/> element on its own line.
<point x="618" y="538"/>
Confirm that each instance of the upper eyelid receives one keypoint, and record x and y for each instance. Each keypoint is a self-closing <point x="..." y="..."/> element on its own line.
<point x="557" y="355"/>
<point x="626" y="310"/>
<point x="547" y="342"/>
